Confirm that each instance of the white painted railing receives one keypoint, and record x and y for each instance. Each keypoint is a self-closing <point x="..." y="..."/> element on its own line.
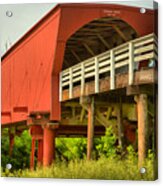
<point x="128" y="54"/>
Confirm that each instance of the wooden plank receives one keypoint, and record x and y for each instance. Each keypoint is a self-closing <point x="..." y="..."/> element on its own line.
<point x="144" y="49"/>
<point x="65" y="84"/>
<point x="122" y="56"/>
<point x="82" y="79"/>
<point x="60" y="86"/>
<point x="144" y="38"/>
<point x="76" y="74"/>
<point x="103" y="70"/>
<point x="121" y="64"/>
<point x="143" y="42"/>
<point x="121" y="49"/>
<point x="104" y="63"/>
<point x="70" y="84"/>
<point x="65" y="78"/>
<point x="76" y="79"/>
<point x="90" y="130"/>
<point x="112" y="70"/>
<point x="88" y="75"/>
<point x="131" y="63"/>
<point x="89" y="62"/>
<point x="90" y="68"/>
<point x="96" y="75"/>
<point x="144" y="57"/>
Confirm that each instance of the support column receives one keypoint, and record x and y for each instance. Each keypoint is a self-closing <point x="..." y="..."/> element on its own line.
<point x="32" y="156"/>
<point x="40" y="152"/>
<point x="49" y="146"/>
<point x="36" y="133"/>
<point x="142" y="111"/>
<point x="90" y="129"/>
<point x="119" y="123"/>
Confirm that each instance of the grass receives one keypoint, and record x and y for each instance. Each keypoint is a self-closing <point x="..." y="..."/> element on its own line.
<point x="104" y="168"/>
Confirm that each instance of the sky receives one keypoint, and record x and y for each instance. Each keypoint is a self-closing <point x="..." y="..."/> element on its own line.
<point x="24" y="16"/>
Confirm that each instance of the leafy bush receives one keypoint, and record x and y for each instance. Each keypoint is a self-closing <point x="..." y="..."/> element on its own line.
<point x="21" y="151"/>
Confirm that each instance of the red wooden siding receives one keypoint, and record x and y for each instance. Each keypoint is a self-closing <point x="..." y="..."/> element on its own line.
<point x="30" y="69"/>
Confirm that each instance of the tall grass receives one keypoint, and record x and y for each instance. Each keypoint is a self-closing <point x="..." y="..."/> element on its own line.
<point x="104" y="168"/>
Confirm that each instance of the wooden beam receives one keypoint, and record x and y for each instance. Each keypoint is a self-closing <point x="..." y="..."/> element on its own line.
<point x="102" y="120"/>
<point x="109" y="113"/>
<point x="66" y="62"/>
<point x="119" y="123"/>
<point x="82" y="115"/>
<point x="75" y="55"/>
<point x="78" y="130"/>
<point x="142" y="110"/>
<point x="90" y="130"/>
<point x="89" y="49"/>
<point x="139" y="89"/>
<point x="103" y="41"/>
<point x="120" y="33"/>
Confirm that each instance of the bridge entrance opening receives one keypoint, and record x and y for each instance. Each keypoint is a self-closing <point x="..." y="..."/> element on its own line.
<point x="96" y="37"/>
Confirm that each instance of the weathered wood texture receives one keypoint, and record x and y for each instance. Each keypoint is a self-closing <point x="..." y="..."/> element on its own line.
<point x="90" y="130"/>
<point x="142" y="109"/>
<point x="124" y="59"/>
<point x="121" y="81"/>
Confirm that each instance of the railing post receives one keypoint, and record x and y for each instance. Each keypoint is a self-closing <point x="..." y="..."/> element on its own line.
<point x="82" y="79"/>
<point x="96" y="75"/>
<point x="112" y="70"/>
<point x="70" y="83"/>
<point x="131" y="63"/>
<point x="60" y="86"/>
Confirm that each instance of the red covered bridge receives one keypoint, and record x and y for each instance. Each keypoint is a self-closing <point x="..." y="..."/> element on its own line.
<point x="78" y="70"/>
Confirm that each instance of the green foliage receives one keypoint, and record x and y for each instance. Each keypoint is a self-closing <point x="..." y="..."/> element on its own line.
<point x="75" y="148"/>
<point x="105" y="146"/>
<point x="104" y="168"/>
<point x="21" y="151"/>
<point x="71" y="148"/>
<point x="71" y="160"/>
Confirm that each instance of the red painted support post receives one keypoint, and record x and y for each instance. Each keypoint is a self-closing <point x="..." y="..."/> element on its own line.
<point x="40" y="152"/>
<point x="49" y="146"/>
<point x="32" y="158"/>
